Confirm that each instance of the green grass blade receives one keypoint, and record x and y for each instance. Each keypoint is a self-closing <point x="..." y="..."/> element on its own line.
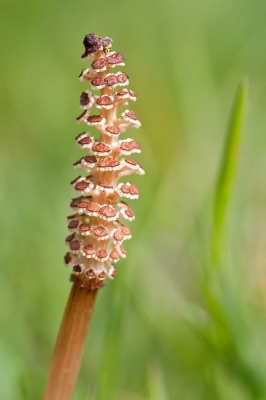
<point x="228" y="168"/>
<point x="156" y="384"/>
<point x="109" y="381"/>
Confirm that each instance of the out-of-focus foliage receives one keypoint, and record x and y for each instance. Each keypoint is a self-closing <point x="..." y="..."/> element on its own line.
<point x="162" y="329"/>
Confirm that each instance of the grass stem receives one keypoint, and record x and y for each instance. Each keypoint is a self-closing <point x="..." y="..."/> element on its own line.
<point x="227" y="170"/>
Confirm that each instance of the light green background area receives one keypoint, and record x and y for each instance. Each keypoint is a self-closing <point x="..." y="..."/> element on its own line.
<point x="156" y="332"/>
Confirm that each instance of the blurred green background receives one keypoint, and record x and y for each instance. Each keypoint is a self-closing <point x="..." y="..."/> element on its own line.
<point x="171" y="325"/>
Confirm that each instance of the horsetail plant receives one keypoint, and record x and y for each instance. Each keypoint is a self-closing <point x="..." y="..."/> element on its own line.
<point x="96" y="232"/>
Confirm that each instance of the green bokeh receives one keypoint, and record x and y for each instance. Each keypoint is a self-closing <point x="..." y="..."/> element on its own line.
<point x="153" y="334"/>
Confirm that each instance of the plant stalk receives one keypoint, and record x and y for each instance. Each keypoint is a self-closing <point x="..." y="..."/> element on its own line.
<point x="70" y="344"/>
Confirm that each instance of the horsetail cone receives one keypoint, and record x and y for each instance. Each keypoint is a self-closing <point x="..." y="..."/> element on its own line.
<point x="97" y="229"/>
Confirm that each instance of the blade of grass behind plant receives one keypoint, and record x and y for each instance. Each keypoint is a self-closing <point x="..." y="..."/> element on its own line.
<point x="156" y="385"/>
<point x="114" y="340"/>
<point x="227" y="170"/>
